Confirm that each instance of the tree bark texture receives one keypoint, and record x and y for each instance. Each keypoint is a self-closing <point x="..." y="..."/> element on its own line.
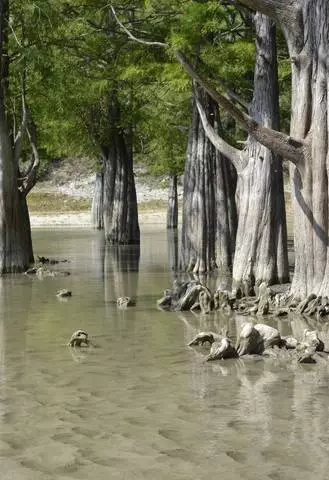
<point x="309" y="51"/>
<point x="306" y="27"/>
<point x="261" y="244"/>
<point x="172" y="210"/>
<point x="15" y="233"/>
<point x="97" y="211"/>
<point x="121" y="225"/>
<point x="208" y="228"/>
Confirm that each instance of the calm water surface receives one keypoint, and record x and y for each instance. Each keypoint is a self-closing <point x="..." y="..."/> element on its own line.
<point x="142" y="405"/>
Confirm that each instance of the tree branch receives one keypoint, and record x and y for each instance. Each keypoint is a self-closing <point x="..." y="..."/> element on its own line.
<point x="282" y="10"/>
<point x="233" y="154"/>
<point x="27" y="182"/>
<point x="18" y="142"/>
<point x="280" y="143"/>
<point x="130" y="35"/>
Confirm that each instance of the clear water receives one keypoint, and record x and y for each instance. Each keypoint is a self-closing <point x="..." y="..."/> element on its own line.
<point x="142" y="405"/>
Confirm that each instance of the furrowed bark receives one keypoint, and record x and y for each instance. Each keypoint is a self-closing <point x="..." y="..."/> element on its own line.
<point x="290" y="148"/>
<point x="120" y="202"/>
<point x="97" y="211"/>
<point x="172" y="210"/>
<point x="310" y="73"/>
<point x="15" y="235"/>
<point x="261" y="242"/>
<point x="206" y="240"/>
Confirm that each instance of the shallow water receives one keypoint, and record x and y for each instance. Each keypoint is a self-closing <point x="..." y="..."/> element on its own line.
<point x="142" y="405"/>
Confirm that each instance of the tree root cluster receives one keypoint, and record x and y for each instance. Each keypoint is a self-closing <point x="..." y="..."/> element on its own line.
<point x="41" y="270"/>
<point x="192" y="295"/>
<point x="261" y="339"/>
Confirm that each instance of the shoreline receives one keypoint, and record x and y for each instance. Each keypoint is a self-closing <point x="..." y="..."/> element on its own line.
<point x="83" y="219"/>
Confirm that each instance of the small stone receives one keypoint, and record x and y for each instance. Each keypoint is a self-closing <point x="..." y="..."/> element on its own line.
<point x="64" y="293"/>
<point x="79" y="338"/>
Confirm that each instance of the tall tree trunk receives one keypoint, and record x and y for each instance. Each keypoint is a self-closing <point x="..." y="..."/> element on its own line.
<point x="226" y="211"/>
<point x="172" y="245"/>
<point x="120" y="201"/>
<point x="97" y="210"/>
<point x="306" y="27"/>
<point x="204" y="176"/>
<point x="15" y="235"/>
<point x="261" y="241"/>
<point x="172" y="210"/>
<point x="309" y="51"/>
<point x="261" y="246"/>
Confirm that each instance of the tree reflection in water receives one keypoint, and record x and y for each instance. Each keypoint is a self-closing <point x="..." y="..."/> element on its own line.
<point x="269" y="411"/>
<point x="121" y="266"/>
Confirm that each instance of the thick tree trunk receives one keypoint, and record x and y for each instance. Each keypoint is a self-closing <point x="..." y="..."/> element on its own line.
<point x="15" y="235"/>
<point x="206" y="174"/>
<point x="172" y="243"/>
<point x="120" y="202"/>
<point x="261" y="245"/>
<point x="226" y="211"/>
<point x="309" y="51"/>
<point x="97" y="211"/>
<point x="172" y="210"/>
<point x="306" y="27"/>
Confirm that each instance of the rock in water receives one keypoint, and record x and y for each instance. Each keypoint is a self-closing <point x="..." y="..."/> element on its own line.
<point x="64" y="293"/>
<point x="79" y="339"/>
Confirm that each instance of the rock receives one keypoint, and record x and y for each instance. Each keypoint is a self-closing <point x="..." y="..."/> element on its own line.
<point x="289" y="342"/>
<point x="311" y="338"/>
<point x="305" y="353"/>
<point x="302" y="306"/>
<point x="254" y="339"/>
<point x="31" y="271"/>
<point x="222" y="350"/>
<point x="64" y="293"/>
<point x="79" y="339"/>
<point x="203" y="337"/>
<point x="124" y="302"/>
<point x="205" y="301"/>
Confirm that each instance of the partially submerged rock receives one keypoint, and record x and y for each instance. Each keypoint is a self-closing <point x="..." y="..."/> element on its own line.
<point x="268" y="300"/>
<point x="50" y="261"/>
<point x="79" y="339"/>
<point x="63" y="293"/>
<point x="205" y="337"/>
<point x="222" y="350"/>
<point x="124" y="302"/>
<point x="262" y="339"/>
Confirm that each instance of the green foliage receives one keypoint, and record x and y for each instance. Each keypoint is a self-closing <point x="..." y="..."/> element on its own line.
<point x="75" y="58"/>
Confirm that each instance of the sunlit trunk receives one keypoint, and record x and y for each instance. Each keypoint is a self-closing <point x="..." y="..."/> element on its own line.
<point x="261" y="245"/>
<point x="207" y="230"/>
<point x="172" y="210"/>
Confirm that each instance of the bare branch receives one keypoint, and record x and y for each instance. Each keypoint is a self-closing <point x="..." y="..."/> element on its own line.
<point x="130" y="35"/>
<point x="280" y="143"/>
<point x="18" y="142"/>
<point x="233" y="154"/>
<point x="26" y="183"/>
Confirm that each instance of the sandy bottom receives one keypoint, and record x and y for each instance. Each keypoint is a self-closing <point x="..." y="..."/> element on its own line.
<point x="83" y="219"/>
